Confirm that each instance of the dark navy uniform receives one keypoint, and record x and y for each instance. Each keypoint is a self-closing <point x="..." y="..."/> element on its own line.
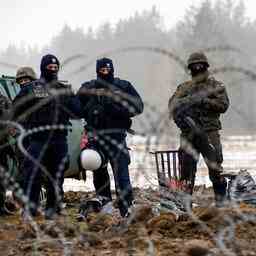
<point x="108" y="105"/>
<point x="48" y="109"/>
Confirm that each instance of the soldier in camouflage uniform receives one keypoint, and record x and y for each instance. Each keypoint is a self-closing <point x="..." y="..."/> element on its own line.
<point x="196" y="107"/>
<point x="4" y="151"/>
<point x="24" y="76"/>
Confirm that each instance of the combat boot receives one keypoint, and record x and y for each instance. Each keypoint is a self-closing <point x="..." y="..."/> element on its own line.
<point x="221" y="201"/>
<point x="221" y="198"/>
<point x="5" y="212"/>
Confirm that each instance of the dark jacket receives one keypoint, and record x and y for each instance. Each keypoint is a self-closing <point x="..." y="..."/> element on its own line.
<point x="203" y="99"/>
<point x="5" y="112"/>
<point x="39" y="104"/>
<point x="109" y="106"/>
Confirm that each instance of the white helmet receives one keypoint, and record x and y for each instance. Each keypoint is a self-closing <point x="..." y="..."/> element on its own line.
<point x="91" y="159"/>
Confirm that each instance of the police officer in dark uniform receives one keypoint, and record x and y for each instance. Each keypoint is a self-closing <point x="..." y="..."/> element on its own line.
<point x="196" y="107"/>
<point x="108" y="104"/>
<point x="49" y="106"/>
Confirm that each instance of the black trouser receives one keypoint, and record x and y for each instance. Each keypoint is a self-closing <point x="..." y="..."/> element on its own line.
<point x="52" y="157"/>
<point x="19" y="176"/>
<point x="119" y="159"/>
<point x="209" y="146"/>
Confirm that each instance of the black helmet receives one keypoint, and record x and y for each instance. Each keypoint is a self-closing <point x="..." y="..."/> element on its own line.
<point x="197" y="57"/>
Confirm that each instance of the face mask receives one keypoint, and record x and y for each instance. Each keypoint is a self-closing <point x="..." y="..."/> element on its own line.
<point x="50" y="75"/>
<point x="109" y="77"/>
<point x="197" y="69"/>
<point x="24" y="82"/>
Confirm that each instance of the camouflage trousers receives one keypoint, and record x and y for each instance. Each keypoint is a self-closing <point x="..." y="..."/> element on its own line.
<point x="191" y="146"/>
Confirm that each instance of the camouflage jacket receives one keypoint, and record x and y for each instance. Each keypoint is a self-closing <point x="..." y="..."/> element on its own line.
<point x="203" y="99"/>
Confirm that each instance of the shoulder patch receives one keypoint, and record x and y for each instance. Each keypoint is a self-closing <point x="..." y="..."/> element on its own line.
<point x="39" y="90"/>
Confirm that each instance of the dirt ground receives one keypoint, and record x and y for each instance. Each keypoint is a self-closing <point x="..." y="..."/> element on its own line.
<point x="206" y="231"/>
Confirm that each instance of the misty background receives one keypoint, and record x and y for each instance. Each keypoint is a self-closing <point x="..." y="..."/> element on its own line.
<point x="154" y="59"/>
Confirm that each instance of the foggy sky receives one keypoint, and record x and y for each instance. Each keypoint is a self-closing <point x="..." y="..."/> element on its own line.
<point x="35" y="22"/>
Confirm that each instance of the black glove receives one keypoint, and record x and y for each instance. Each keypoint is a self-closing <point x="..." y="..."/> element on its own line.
<point x="106" y="101"/>
<point x="180" y="122"/>
<point x="178" y="117"/>
<point x="96" y="117"/>
<point x="182" y="116"/>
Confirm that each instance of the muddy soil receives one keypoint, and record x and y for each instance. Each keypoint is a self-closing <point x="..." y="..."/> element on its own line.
<point x="205" y="231"/>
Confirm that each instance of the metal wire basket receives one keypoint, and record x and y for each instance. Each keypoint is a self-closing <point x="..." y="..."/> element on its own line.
<point x="168" y="168"/>
<point x="173" y="189"/>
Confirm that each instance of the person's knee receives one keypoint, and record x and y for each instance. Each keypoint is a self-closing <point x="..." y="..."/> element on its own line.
<point x="219" y="156"/>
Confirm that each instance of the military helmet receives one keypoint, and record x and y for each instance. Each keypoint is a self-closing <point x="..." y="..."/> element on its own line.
<point x="197" y="57"/>
<point x="25" y="72"/>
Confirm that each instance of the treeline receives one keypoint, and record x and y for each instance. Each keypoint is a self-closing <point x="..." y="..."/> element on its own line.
<point x="153" y="58"/>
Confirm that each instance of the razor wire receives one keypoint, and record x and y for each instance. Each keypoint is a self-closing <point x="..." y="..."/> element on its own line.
<point x="155" y="127"/>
